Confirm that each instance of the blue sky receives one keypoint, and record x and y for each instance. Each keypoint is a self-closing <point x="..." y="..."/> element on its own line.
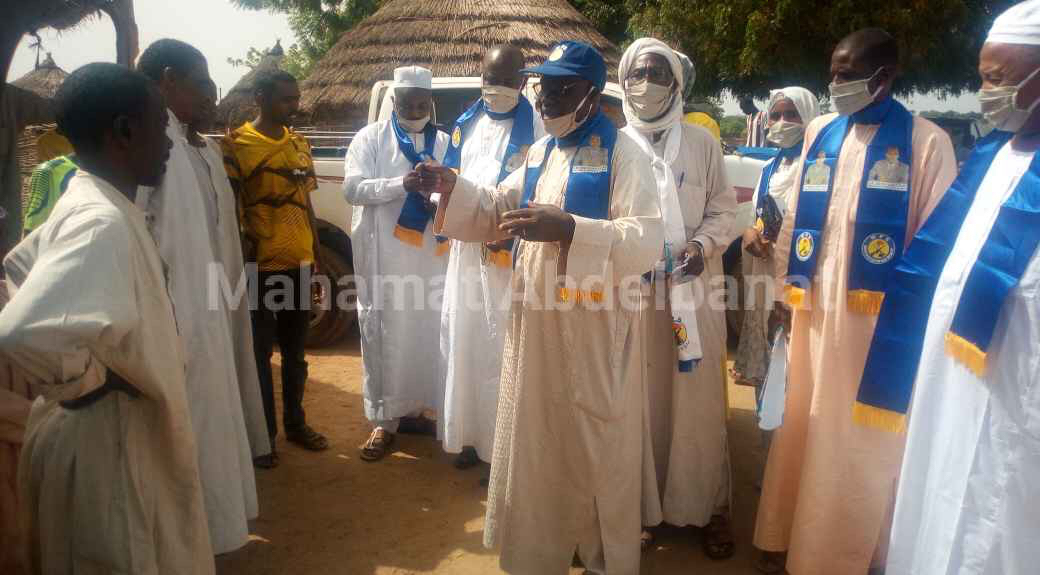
<point x="222" y="31"/>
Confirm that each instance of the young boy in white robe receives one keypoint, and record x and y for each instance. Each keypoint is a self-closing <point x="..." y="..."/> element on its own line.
<point x="108" y="473"/>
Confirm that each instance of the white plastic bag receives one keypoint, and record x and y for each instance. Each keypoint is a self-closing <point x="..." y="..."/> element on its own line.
<point x="774" y="392"/>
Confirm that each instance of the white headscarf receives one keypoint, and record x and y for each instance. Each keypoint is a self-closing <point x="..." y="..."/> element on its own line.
<point x="1019" y="24"/>
<point x="804" y="101"/>
<point x="628" y="59"/>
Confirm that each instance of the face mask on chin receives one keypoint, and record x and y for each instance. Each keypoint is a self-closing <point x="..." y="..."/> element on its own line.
<point x="1000" y="109"/>
<point x="650" y="101"/>
<point x="851" y="97"/>
<point x="786" y="134"/>
<point x="561" y="126"/>
<point x="500" y="99"/>
<point x="413" y="126"/>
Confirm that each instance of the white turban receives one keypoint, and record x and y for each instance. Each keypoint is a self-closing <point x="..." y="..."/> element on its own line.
<point x="628" y="59"/>
<point x="1019" y="24"/>
<point x="413" y="77"/>
<point x="804" y="101"/>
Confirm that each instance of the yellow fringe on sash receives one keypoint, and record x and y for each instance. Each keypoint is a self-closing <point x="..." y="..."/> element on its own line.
<point x="580" y="296"/>
<point x="501" y="258"/>
<point x="410" y="237"/>
<point x="883" y="419"/>
<point x="865" y="302"/>
<point x="794" y="296"/>
<point x="966" y="353"/>
<point x="443" y="247"/>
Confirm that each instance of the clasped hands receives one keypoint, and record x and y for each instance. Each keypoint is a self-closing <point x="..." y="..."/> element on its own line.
<point x="535" y="223"/>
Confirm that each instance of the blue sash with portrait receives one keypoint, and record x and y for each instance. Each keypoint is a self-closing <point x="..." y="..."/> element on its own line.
<point x="881" y="214"/>
<point x="415" y="215"/>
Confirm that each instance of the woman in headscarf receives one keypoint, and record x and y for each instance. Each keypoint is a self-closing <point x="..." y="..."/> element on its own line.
<point x="790" y="111"/>
<point x="686" y="466"/>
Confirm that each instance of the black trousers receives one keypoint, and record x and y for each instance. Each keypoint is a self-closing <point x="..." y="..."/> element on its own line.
<point x="282" y="314"/>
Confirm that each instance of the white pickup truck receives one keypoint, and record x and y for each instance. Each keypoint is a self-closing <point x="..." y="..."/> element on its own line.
<point x="451" y="96"/>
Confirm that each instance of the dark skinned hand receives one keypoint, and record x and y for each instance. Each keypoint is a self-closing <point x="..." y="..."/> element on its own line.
<point x="781" y="315"/>
<point x="499" y="245"/>
<point x="694" y="258"/>
<point x="756" y="244"/>
<point x="538" y="223"/>
<point x="436" y="179"/>
<point x="413" y="182"/>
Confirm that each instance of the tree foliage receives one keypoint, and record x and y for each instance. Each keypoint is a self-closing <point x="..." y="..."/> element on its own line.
<point x="295" y="62"/>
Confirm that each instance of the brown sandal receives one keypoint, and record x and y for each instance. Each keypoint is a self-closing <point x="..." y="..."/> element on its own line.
<point x="771" y="563"/>
<point x="718" y="539"/>
<point x="378" y="445"/>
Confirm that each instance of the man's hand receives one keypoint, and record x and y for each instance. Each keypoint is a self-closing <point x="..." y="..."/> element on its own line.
<point x="538" y="223"/>
<point x="413" y="182"/>
<point x="436" y="179"/>
<point x="780" y="316"/>
<point x="693" y="259"/>
<point x="499" y="245"/>
<point x="756" y="244"/>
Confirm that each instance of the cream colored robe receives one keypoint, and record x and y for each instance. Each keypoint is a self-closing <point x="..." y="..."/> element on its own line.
<point x="565" y="471"/>
<point x="112" y="487"/>
<point x="686" y="466"/>
<point x="829" y="483"/>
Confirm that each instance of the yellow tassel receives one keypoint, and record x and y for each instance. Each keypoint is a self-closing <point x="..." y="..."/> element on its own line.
<point x="501" y="258"/>
<point x="580" y="296"/>
<point x="966" y="353"/>
<point x="883" y="419"/>
<point x="795" y="296"/>
<point x="865" y="302"/>
<point x="443" y="247"/>
<point x="410" y="237"/>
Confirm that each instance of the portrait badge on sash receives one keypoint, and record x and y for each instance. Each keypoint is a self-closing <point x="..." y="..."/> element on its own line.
<point x="591" y="159"/>
<point x="516" y="161"/>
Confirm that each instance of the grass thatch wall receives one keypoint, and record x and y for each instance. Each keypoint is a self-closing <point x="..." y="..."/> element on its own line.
<point x="448" y="36"/>
<point x="239" y="104"/>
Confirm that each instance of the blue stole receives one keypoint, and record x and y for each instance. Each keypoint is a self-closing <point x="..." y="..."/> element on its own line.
<point x="412" y="222"/>
<point x="778" y="157"/>
<point x="588" y="185"/>
<point x="895" y="352"/>
<point x="521" y="136"/>
<point x="881" y="214"/>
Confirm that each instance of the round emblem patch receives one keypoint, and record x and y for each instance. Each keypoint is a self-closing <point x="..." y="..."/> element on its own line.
<point x="804" y="246"/>
<point x="456" y="137"/>
<point x="878" y="248"/>
<point x="557" y="53"/>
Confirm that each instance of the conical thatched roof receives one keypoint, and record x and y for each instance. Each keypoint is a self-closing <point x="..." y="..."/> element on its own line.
<point x="44" y="80"/>
<point x="448" y="36"/>
<point x="239" y="104"/>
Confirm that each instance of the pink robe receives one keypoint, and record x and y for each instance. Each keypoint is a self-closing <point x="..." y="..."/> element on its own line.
<point x="829" y="483"/>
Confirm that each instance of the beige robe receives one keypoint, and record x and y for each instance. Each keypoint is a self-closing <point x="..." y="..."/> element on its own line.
<point x="565" y="469"/>
<point x="686" y="465"/>
<point x="829" y="483"/>
<point x="112" y="487"/>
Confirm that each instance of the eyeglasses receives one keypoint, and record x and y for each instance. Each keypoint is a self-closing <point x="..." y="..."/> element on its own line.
<point x="543" y="93"/>
<point x="789" y="115"/>
<point x="655" y="74"/>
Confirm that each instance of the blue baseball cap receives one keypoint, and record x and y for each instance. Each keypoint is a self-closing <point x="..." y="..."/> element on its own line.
<point x="574" y="59"/>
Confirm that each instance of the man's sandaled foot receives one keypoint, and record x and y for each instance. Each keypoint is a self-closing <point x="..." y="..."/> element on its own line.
<point x="378" y="445"/>
<point x="718" y="539"/>
<point x="269" y="461"/>
<point x="307" y="438"/>
<point x="467" y="459"/>
<point x="771" y="563"/>
<point x="646" y="540"/>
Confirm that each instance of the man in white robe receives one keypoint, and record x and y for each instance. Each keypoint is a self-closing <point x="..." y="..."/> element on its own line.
<point x="687" y="463"/>
<point x="183" y="217"/>
<point x="970" y="481"/>
<point x="108" y="475"/>
<point x="476" y="306"/>
<point x="565" y="473"/>
<point x="398" y="263"/>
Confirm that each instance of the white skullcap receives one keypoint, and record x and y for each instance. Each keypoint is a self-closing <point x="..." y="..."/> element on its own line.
<point x="413" y="77"/>
<point x="1019" y="24"/>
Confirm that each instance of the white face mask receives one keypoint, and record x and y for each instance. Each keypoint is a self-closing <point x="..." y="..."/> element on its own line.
<point x="650" y="101"/>
<point x="561" y="126"/>
<point x="851" y="97"/>
<point x="786" y="134"/>
<point x="1000" y="106"/>
<point x="500" y="99"/>
<point x="413" y="126"/>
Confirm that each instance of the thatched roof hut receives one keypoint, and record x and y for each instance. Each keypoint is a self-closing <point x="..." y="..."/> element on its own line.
<point x="44" y="80"/>
<point x="239" y="104"/>
<point x="448" y="36"/>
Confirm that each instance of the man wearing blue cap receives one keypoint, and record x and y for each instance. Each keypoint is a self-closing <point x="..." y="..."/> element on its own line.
<point x="565" y="473"/>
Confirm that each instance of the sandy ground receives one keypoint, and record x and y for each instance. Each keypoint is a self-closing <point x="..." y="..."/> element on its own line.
<point x="331" y="513"/>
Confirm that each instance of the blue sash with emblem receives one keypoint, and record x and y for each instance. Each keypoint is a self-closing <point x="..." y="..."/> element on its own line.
<point x="895" y="352"/>
<point x="881" y="213"/>
<point x="588" y="184"/>
<point x="415" y="216"/>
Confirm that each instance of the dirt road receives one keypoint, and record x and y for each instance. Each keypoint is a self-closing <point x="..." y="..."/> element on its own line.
<point x="331" y="513"/>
